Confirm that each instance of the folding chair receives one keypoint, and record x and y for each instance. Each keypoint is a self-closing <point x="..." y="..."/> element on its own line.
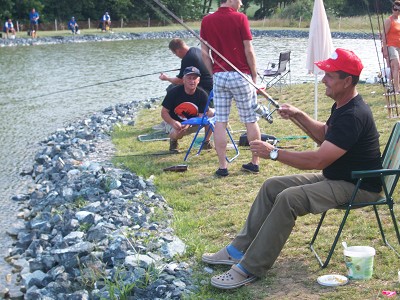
<point x="389" y="176"/>
<point x="203" y="122"/>
<point x="278" y="73"/>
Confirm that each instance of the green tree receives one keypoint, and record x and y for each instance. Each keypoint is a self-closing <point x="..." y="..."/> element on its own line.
<point x="207" y="6"/>
<point x="22" y="9"/>
<point x="7" y="8"/>
<point x="295" y="10"/>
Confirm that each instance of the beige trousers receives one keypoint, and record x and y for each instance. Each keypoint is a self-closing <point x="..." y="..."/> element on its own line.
<point x="275" y="210"/>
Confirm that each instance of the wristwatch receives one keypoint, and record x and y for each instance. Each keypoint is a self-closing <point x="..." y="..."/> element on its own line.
<point x="274" y="154"/>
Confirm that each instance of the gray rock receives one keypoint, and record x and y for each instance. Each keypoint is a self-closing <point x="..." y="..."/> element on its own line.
<point x="111" y="217"/>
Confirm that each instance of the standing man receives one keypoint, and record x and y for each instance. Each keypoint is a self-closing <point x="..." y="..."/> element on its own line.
<point x="228" y="32"/>
<point x="34" y="21"/>
<point x="391" y="44"/>
<point x="349" y="142"/>
<point x="190" y="57"/>
<point x="184" y="102"/>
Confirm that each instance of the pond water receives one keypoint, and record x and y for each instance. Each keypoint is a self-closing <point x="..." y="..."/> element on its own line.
<point x="29" y="74"/>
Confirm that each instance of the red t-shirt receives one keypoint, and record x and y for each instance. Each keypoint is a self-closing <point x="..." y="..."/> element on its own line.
<point x="225" y="30"/>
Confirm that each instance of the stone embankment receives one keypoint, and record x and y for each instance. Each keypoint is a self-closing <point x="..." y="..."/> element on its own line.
<point x="90" y="230"/>
<point x="101" y="37"/>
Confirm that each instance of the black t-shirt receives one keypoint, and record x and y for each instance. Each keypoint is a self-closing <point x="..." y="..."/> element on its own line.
<point x="182" y="106"/>
<point x="352" y="128"/>
<point x="193" y="59"/>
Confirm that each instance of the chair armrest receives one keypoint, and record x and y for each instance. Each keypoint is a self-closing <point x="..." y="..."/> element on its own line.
<point x="374" y="173"/>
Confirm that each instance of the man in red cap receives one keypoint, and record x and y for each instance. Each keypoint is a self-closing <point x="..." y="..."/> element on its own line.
<point x="348" y="141"/>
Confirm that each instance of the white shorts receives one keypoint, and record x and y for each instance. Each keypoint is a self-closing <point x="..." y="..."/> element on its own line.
<point x="231" y="85"/>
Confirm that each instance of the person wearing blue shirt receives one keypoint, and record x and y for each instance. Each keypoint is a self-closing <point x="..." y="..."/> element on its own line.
<point x="73" y="26"/>
<point x="106" y="22"/>
<point x="9" y="28"/>
<point x="34" y="21"/>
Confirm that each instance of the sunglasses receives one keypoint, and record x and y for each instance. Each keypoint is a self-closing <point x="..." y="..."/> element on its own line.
<point x="395" y="9"/>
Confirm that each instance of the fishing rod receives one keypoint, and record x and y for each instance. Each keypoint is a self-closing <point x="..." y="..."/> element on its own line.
<point x="250" y="81"/>
<point x="100" y="83"/>
<point x="269" y="98"/>
<point x="389" y="86"/>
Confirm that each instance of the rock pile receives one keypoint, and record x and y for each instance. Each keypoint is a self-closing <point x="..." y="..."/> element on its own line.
<point x="89" y="230"/>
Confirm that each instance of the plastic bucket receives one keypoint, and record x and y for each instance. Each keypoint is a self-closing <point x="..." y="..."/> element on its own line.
<point x="359" y="261"/>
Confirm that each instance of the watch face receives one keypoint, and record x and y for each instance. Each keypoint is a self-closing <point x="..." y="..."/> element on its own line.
<point x="273" y="154"/>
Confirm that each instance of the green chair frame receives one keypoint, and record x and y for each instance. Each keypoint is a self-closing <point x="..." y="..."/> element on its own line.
<point x="389" y="176"/>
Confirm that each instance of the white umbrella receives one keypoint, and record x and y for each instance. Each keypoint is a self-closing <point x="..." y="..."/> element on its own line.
<point x="320" y="45"/>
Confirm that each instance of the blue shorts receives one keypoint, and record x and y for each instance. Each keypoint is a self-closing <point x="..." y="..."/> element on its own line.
<point x="231" y="85"/>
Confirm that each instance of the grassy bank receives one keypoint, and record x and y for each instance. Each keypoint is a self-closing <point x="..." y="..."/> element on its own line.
<point x="359" y="24"/>
<point x="208" y="211"/>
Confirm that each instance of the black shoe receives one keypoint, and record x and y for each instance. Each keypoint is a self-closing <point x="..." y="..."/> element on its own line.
<point x="222" y="172"/>
<point x="173" y="146"/>
<point x="207" y="146"/>
<point x="250" y="167"/>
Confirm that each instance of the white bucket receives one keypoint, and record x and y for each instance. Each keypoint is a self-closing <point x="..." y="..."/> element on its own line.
<point x="359" y="261"/>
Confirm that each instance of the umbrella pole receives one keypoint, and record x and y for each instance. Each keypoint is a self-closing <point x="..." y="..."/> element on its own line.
<point x="316" y="97"/>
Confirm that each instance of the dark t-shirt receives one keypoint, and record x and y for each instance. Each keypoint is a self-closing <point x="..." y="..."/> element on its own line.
<point x="352" y="128"/>
<point x="193" y="59"/>
<point x="182" y="106"/>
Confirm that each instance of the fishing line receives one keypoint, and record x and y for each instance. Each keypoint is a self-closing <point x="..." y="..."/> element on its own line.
<point x="100" y="83"/>
<point x="383" y="74"/>
<point x="250" y="81"/>
<point x="373" y="34"/>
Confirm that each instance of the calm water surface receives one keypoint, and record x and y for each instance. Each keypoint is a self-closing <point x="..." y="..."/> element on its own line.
<point x="29" y="73"/>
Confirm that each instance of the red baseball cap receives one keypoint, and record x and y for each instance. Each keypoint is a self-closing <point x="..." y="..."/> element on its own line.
<point x="342" y="60"/>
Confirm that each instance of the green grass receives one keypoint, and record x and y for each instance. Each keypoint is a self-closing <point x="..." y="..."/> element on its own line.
<point x="209" y="211"/>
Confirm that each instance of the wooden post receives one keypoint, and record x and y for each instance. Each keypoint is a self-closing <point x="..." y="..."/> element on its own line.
<point x="340" y="22"/>
<point x="17" y="26"/>
<point x="122" y="22"/>
<point x="89" y="23"/>
<point x="300" y="22"/>
<point x="148" y="22"/>
<point x="55" y="24"/>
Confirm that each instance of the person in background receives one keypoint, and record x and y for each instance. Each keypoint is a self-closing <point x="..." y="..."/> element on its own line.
<point x="73" y="26"/>
<point x="391" y="44"/>
<point x="228" y="32"/>
<point x="34" y="21"/>
<point x="9" y="28"/>
<point x="349" y="141"/>
<point x="106" y="22"/>
<point x="189" y="57"/>
<point x="184" y="102"/>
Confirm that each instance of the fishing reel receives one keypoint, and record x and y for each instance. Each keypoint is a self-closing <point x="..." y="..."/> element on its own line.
<point x="264" y="112"/>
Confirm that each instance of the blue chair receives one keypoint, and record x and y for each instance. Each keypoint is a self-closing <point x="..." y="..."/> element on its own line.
<point x="205" y="121"/>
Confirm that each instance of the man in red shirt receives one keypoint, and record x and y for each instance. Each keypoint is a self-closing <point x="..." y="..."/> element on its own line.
<point x="228" y="32"/>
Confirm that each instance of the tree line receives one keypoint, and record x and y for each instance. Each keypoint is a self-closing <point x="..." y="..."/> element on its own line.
<point x="142" y="10"/>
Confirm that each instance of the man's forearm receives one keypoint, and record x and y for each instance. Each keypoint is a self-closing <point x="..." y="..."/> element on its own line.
<point x="206" y="58"/>
<point x="314" y="129"/>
